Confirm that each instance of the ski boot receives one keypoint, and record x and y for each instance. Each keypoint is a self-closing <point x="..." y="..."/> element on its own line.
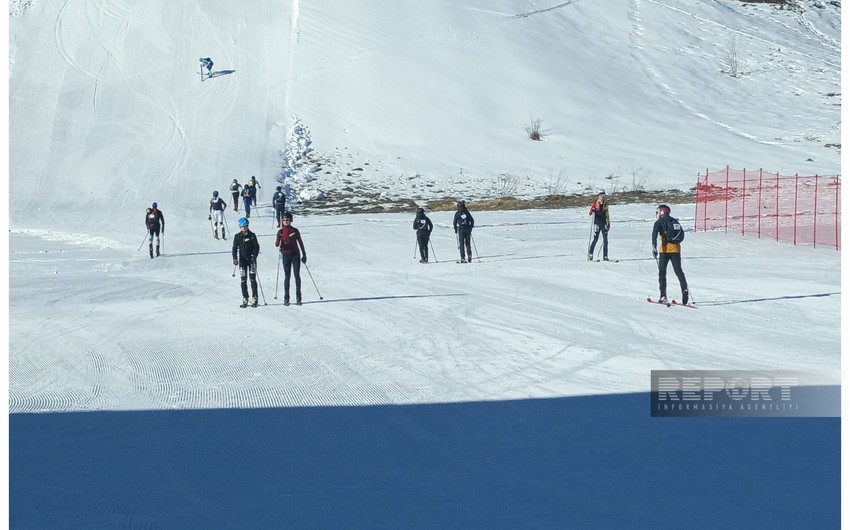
<point x="244" y="303"/>
<point x="157" y="251"/>
<point x="685" y="296"/>
<point x="150" y="249"/>
<point x="605" y="258"/>
<point x="254" y="302"/>
<point x="298" y="300"/>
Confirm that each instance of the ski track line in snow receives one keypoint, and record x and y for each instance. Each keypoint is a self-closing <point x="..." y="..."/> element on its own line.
<point x="746" y="34"/>
<point x="419" y="38"/>
<point x="657" y="79"/>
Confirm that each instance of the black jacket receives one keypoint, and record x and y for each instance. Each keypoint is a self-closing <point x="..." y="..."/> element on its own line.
<point x="463" y="220"/>
<point x="247" y="247"/>
<point x="422" y="223"/>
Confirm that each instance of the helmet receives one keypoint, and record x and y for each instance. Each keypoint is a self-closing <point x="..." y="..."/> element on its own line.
<point x="663" y="209"/>
<point x="243" y="222"/>
<point x="420" y="210"/>
<point x="215" y="194"/>
<point x="461" y="204"/>
<point x="278" y="188"/>
<point x="153" y="205"/>
<point x="601" y="192"/>
<point x="287" y="215"/>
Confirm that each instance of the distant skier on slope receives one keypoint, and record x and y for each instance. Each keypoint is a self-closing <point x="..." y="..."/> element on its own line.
<point x="217" y="207"/>
<point x="253" y="185"/>
<point x="672" y="234"/>
<point x="247" y="200"/>
<point x="246" y="248"/>
<point x="235" y="190"/>
<point x="207" y="63"/>
<point x="463" y="225"/>
<point x="289" y="240"/>
<point x="155" y="223"/>
<point x="279" y="203"/>
<point x="601" y="223"/>
<point x="423" y="227"/>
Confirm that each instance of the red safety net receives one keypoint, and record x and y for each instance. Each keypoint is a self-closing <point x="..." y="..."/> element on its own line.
<point x="804" y="210"/>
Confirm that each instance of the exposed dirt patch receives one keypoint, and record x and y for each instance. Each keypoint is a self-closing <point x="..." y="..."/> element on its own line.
<point x="346" y="201"/>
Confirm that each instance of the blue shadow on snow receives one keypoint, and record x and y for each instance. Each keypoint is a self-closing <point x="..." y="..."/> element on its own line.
<point x="579" y="462"/>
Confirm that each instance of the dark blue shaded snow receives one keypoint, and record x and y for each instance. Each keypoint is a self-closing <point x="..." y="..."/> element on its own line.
<point x="581" y="462"/>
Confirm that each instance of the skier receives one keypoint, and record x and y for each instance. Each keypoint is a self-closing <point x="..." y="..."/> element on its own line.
<point x="246" y="200"/>
<point x="235" y="189"/>
<point x="247" y="247"/>
<point x="601" y="223"/>
<point x="279" y="203"/>
<point x="670" y="252"/>
<point x="155" y="223"/>
<point x="463" y="225"/>
<point x="289" y="240"/>
<point x="253" y="185"/>
<point x="217" y="207"/>
<point x="423" y="227"/>
<point x="207" y="63"/>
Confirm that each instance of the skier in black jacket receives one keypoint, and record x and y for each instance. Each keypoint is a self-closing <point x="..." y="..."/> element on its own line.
<point x="279" y="203"/>
<point x="154" y="222"/>
<point x="423" y="227"/>
<point x="246" y="248"/>
<point x="463" y="225"/>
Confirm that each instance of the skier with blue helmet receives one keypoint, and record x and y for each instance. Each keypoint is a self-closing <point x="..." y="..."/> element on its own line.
<point x="246" y="248"/>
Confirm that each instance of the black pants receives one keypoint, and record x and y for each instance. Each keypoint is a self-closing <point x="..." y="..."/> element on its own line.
<point x="153" y="232"/>
<point x="235" y="200"/>
<point x="279" y="210"/>
<point x="676" y="260"/>
<point x="248" y="270"/>
<point x="422" y="237"/>
<point x="291" y="263"/>
<point x="465" y="242"/>
<point x="596" y="231"/>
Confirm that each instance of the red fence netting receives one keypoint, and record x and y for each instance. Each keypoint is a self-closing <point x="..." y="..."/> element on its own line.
<point x="804" y="210"/>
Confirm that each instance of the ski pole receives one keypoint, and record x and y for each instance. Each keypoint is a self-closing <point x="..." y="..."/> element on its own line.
<point x="214" y="230"/>
<point x="277" y="275"/>
<point x="477" y="255"/>
<point x="314" y="281"/>
<point x="234" y="271"/>
<point x="163" y="241"/>
<point x="415" y="245"/>
<point x="589" y="239"/>
<point x="143" y="240"/>
<point x="257" y="274"/>
<point x="432" y="249"/>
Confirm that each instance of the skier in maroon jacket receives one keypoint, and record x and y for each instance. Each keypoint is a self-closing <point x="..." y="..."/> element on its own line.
<point x="289" y="240"/>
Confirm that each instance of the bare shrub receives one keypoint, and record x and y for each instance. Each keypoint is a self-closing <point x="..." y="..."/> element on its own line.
<point x="506" y="185"/>
<point x="532" y="129"/>
<point x="731" y="64"/>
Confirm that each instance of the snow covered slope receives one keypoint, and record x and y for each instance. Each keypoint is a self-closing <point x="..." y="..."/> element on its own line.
<point x="107" y="111"/>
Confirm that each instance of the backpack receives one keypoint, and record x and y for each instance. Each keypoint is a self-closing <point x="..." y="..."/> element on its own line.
<point x="673" y="231"/>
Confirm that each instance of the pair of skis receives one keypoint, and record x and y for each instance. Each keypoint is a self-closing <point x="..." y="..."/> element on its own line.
<point x="670" y="303"/>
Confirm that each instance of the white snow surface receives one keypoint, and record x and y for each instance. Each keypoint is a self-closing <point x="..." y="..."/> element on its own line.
<point x="107" y="113"/>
